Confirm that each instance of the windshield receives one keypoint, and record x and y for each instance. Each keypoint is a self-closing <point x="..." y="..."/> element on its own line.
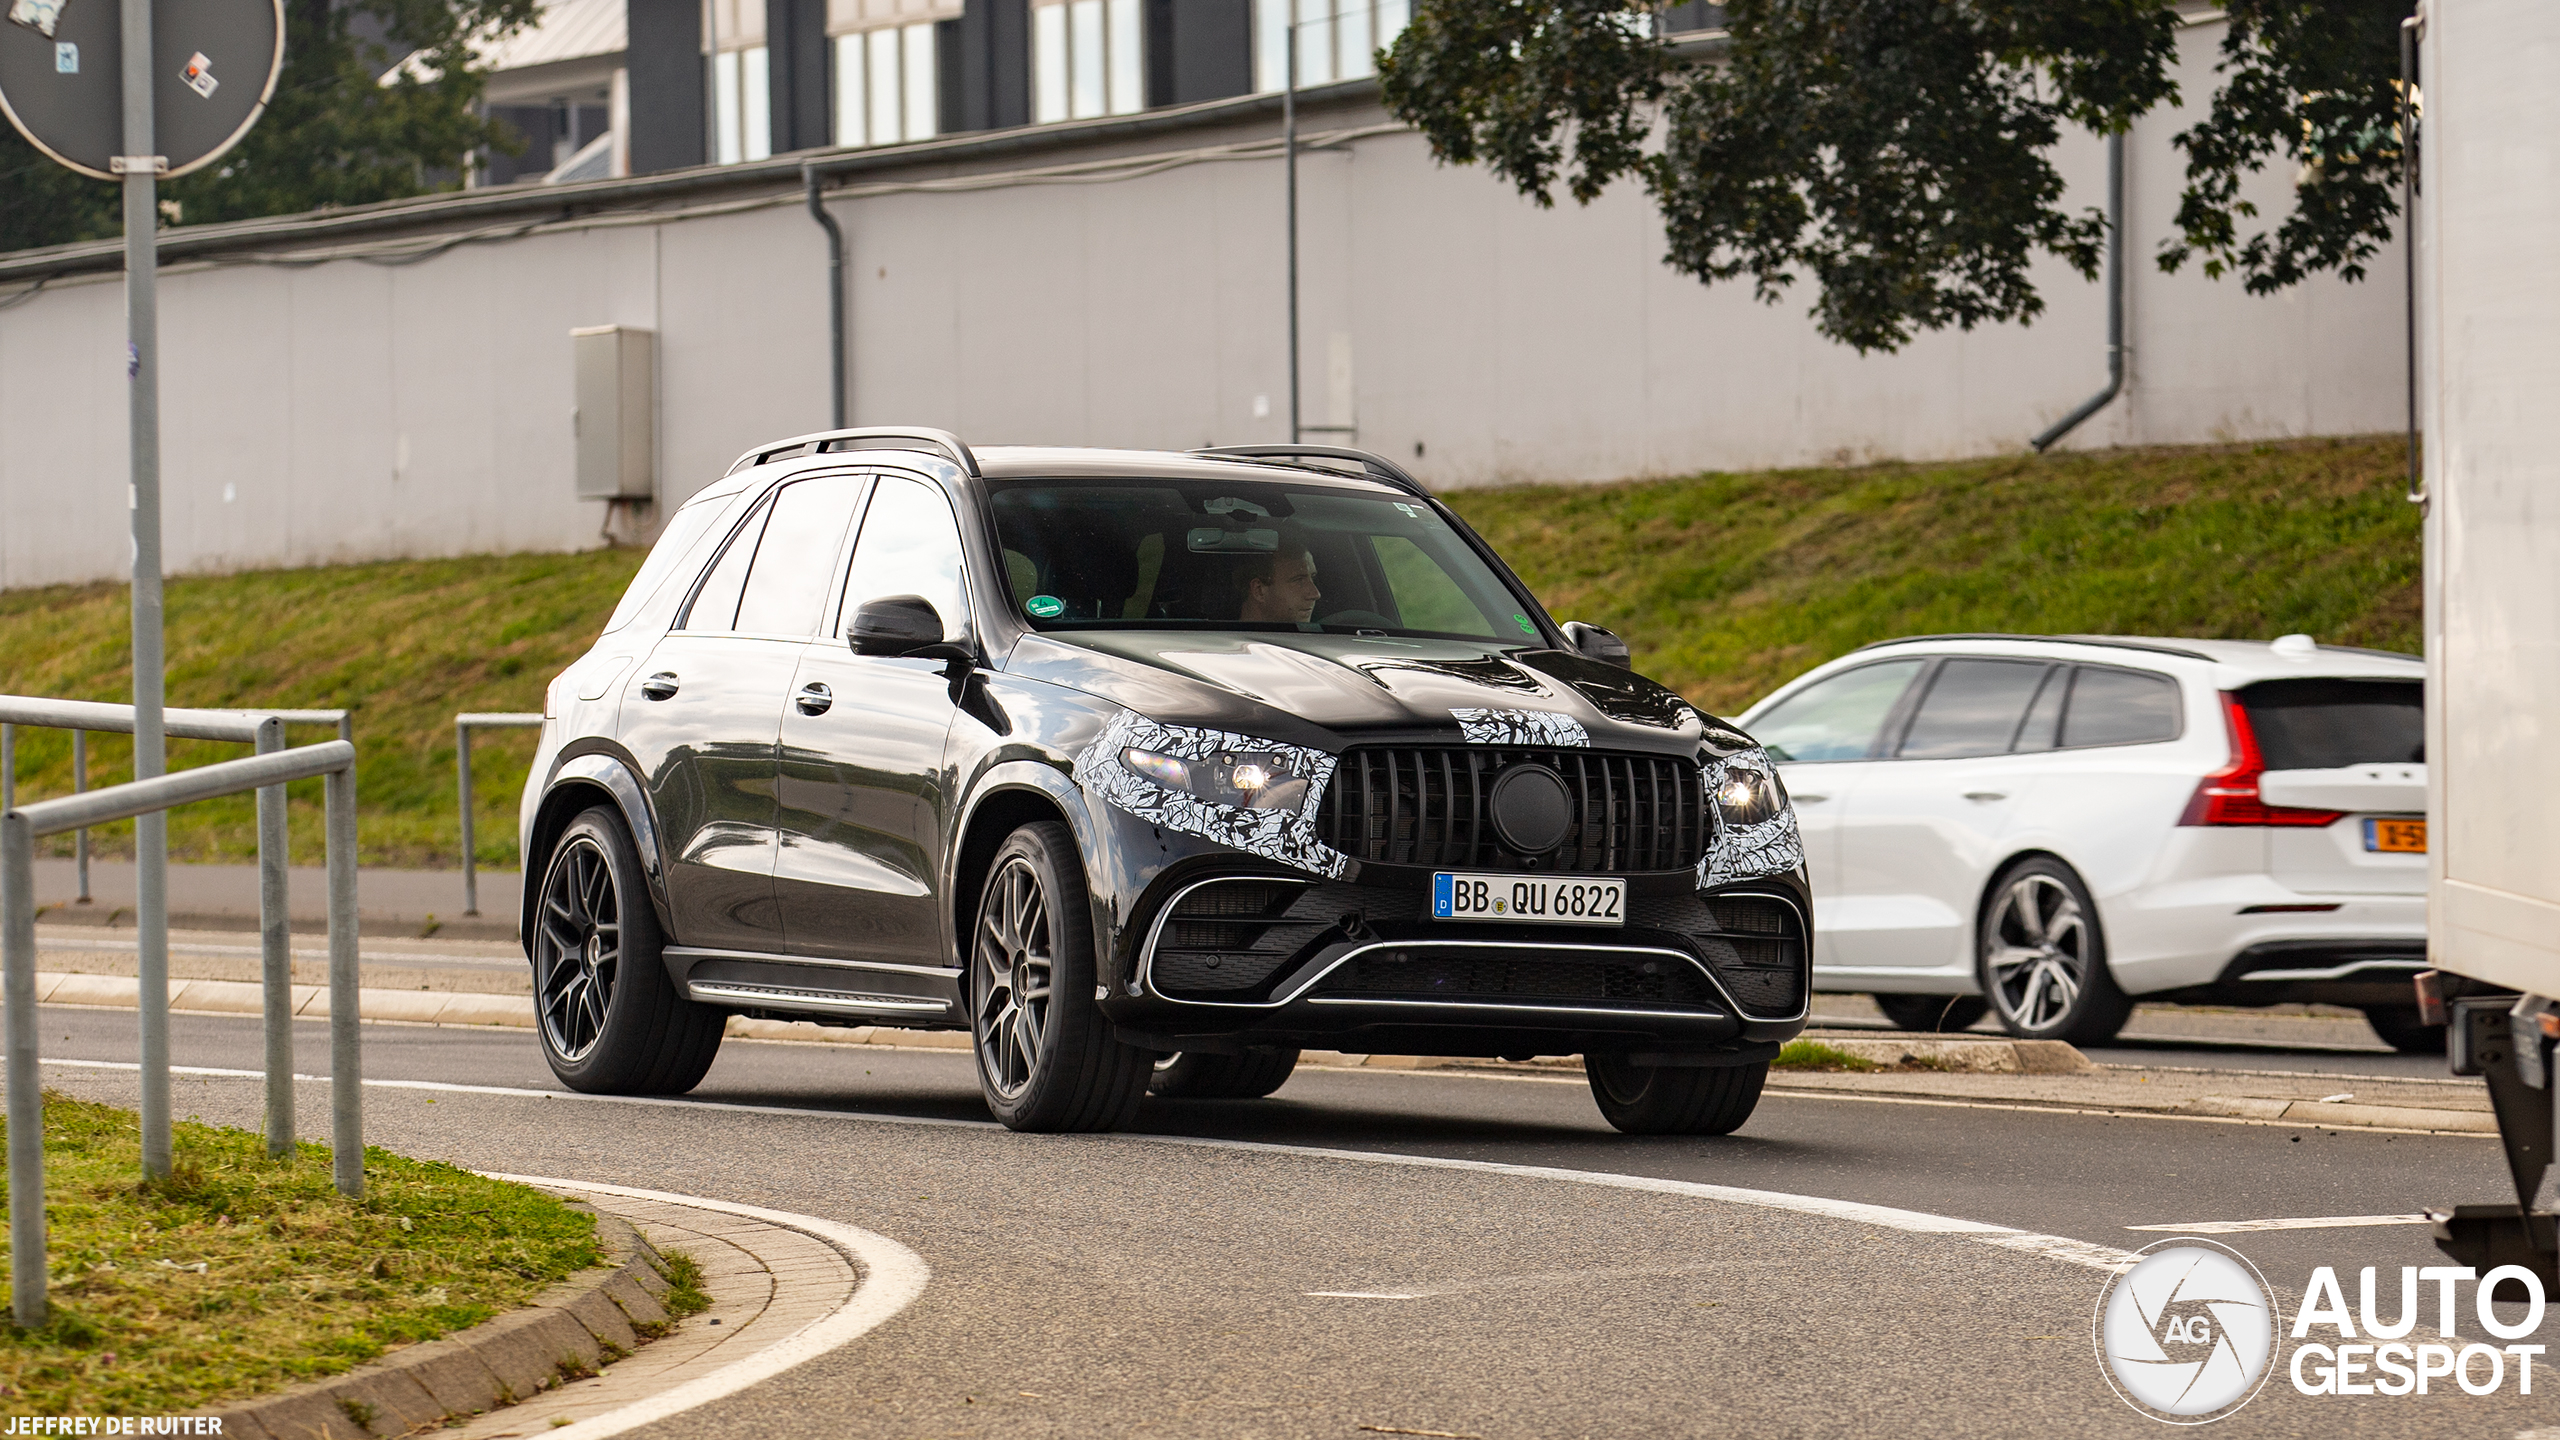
<point x="1182" y="554"/>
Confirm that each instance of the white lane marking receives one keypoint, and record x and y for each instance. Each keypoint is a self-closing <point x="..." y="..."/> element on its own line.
<point x="1918" y="1222"/>
<point x="45" y="943"/>
<point x="892" y="1277"/>
<point x="1365" y="1295"/>
<point x="2315" y="1222"/>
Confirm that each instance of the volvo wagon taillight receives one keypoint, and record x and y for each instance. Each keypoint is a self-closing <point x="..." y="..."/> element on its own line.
<point x="2229" y="796"/>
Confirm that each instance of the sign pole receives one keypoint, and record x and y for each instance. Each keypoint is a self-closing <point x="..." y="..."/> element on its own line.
<point x="141" y="166"/>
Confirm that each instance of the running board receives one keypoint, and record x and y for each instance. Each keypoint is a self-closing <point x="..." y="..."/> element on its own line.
<point x="825" y="1002"/>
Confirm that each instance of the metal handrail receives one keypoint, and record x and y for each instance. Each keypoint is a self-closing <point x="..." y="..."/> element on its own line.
<point x="463" y="725"/>
<point x="267" y="773"/>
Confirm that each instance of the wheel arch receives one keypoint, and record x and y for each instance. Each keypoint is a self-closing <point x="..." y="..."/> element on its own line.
<point x="579" y="784"/>
<point x="1008" y="798"/>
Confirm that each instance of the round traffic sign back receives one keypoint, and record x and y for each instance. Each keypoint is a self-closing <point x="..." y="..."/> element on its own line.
<point x="213" y="67"/>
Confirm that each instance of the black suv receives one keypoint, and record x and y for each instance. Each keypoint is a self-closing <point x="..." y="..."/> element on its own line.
<point x="1147" y="769"/>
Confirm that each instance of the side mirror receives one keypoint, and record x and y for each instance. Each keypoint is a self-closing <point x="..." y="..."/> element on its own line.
<point x="895" y="625"/>
<point x="1594" y="643"/>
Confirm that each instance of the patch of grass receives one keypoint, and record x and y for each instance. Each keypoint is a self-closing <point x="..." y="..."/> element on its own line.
<point x="1726" y="585"/>
<point x="405" y="644"/>
<point x="685" y="1295"/>
<point x="1814" y="1055"/>
<point x="237" y="1274"/>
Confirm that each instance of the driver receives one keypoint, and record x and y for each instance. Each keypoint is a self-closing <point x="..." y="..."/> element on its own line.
<point x="1283" y="588"/>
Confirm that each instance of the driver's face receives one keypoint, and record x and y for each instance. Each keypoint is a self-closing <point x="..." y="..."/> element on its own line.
<point x="1288" y="595"/>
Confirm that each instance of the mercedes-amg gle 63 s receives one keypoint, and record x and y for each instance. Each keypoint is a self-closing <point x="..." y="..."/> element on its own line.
<point x="1146" y="770"/>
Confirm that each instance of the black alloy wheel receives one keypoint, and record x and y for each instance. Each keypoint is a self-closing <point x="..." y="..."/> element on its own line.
<point x="1674" y="1099"/>
<point x="1257" y="1072"/>
<point x="1046" y="1056"/>
<point x="1933" y="1014"/>
<point x="2042" y="959"/>
<point x="610" y="1021"/>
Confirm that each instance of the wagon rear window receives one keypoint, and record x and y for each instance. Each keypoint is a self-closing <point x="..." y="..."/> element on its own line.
<point x="2329" y="724"/>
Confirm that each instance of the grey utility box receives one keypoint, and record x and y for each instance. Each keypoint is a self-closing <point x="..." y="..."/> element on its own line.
<point x="617" y="380"/>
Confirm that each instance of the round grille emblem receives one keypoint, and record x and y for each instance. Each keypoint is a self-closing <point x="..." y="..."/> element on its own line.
<point x="1531" y="810"/>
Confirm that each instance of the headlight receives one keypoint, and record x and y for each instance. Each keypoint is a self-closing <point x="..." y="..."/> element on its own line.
<point x="1747" y="797"/>
<point x="1239" y="779"/>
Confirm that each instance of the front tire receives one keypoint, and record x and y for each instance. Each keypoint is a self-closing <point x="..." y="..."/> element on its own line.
<point x="1250" y="1076"/>
<point x="1674" y="1099"/>
<point x="1932" y="1014"/>
<point x="2400" y="1028"/>
<point x="1046" y="1057"/>
<point x="2042" y="959"/>
<point x="610" y="1020"/>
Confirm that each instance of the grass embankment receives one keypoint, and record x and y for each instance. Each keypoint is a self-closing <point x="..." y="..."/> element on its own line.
<point x="1724" y="584"/>
<point x="238" y="1275"/>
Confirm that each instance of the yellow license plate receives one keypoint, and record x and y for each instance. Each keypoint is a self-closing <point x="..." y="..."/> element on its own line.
<point x="2403" y="837"/>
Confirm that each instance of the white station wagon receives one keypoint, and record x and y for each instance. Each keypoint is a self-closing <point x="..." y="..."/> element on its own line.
<point x="2057" y="827"/>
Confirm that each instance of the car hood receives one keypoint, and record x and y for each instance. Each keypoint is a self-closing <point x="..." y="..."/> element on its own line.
<point x="1332" y="690"/>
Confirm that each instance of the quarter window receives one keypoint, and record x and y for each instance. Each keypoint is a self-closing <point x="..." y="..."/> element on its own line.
<point x="1973" y="708"/>
<point x="910" y="546"/>
<point x="715" y="604"/>
<point x="1838" y="718"/>
<point x="2119" y="707"/>
<point x="797" y="557"/>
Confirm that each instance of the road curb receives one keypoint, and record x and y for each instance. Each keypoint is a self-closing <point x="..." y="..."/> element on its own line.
<point x="1991" y="1057"/>
<point x="568" y="1331"/>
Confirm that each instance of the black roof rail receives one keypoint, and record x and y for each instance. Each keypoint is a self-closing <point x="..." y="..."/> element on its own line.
<point x="2105" y="640"/>
<point x="868" y="437"/>
<point x="1375" y="467"/>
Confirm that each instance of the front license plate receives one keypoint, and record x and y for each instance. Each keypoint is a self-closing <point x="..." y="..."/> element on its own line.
<point x="1528" y="899"/>
<point x="2404" y="837"/>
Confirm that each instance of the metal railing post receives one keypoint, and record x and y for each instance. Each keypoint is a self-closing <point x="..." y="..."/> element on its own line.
<point x="275" y="950"/>
<point x="462" y="770"/>
<point x="27" y="1263"/>
<point x="8" y="767"/>
<point x="346" y="1079"/>
<point x="79" y="786"/>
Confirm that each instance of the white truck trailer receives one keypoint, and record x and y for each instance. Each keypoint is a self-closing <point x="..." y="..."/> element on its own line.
<point x="2489" y="335"/>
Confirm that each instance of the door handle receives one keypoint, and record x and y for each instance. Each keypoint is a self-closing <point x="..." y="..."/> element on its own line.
<point x="1986" y="795"/>
<point x="814" y="699"/>
<point x="660" y="686"/>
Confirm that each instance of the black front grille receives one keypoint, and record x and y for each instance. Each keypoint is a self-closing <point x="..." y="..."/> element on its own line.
<point x="1527" y="973"/>
<point x="1427" y="806"/>
<point x="1755" y="943"/>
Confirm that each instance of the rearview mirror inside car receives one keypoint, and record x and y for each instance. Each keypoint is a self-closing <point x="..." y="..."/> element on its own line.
<point x="1594" y="643"/>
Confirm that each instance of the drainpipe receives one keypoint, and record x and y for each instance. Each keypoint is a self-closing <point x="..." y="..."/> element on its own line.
<point x="2115" y="304"/>
<point x="835" y="286"/>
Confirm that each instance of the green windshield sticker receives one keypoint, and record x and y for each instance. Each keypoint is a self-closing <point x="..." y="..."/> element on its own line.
<point x="1523" y="622"/>
<point x="1045" y="607"/>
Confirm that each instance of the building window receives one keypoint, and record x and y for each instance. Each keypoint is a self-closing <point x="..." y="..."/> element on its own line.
<point x="1087" y="59"/>
<point x="885" y="85"/>
<point x="741" y="105"/>
<point x="1337" y="39"/>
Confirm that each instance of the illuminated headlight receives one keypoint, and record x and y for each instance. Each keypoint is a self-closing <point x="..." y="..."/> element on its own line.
<point x="1240" y="779"/>
<point x="1747" y="797"/>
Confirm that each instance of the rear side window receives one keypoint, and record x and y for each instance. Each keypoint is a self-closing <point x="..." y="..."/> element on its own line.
<point x="787" y="588"/>
<point x="2328" y="724"/>
<point x="1973" y="708"/>
<point x="1837" y="718"/>
<point x="2119" y="707"/>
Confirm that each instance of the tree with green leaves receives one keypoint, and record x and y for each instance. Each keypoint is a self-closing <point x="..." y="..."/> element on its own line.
<point x="345" y="127"/>
<point x="1898" y="151"/>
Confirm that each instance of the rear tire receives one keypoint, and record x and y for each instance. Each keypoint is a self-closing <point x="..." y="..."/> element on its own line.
<point x="1933" y="1014"/>
<point x="1046" y="1057"/>
<point x="2042" y="959"/>
<point x="2400" y="1028"/>
<point x="1674" y="1099"/>
<point x="1249" y="1076"/>
<point x="610" y="1021"/>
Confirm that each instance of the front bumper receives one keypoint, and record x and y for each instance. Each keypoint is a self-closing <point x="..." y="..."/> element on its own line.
<point x="1227" y="952"/>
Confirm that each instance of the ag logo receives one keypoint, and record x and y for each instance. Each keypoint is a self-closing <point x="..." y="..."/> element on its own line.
<point x="2187" y="1334"/>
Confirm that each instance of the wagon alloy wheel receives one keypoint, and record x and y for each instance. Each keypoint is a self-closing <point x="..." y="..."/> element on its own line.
<point x="581" y="948"/>
<point x="611" y="1020"/>
<point x="1047" y="1057"/>
<point x="2041" y="950"/>
<point x="1016" y="964"/>
<point x="2043" y="957"/>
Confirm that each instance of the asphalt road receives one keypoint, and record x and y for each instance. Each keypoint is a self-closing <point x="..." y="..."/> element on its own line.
<point x="1123" y="1284"/>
